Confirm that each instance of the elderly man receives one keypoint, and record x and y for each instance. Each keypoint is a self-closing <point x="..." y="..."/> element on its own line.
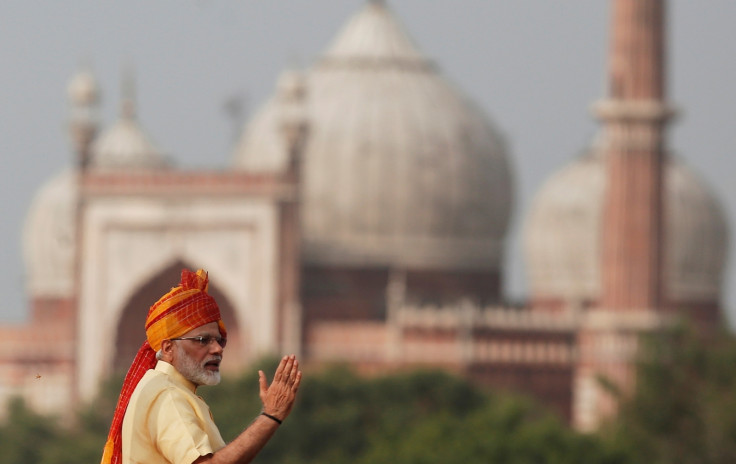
<point x="159" y="418"/>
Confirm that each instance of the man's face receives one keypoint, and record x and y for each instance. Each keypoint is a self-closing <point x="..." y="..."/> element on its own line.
<point x="199" y="363"/>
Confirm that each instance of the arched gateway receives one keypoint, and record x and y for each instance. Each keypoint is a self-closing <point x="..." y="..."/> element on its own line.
<point x="134" y="246"/>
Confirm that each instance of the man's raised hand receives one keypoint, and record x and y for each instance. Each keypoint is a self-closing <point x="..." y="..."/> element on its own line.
<point x="278" y="398"/>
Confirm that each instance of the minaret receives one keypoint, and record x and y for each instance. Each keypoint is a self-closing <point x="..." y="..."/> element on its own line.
<point x="292" y="95"/>
<point x="634" y="119"/>
<point x="84" y="96"/>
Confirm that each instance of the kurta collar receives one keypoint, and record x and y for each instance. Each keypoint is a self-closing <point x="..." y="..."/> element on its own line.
<point x="175" y="375"/>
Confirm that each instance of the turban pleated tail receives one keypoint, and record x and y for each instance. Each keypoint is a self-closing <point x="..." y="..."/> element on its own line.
<point x="184" y="308"/>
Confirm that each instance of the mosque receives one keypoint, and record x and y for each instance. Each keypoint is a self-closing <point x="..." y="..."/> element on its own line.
<point x="364" y="219"/>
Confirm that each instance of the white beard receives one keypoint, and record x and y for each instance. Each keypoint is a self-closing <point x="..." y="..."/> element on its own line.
<point x="194" y="372"/>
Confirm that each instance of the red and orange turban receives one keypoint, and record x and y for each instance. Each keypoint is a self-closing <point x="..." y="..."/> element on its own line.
<point x="184" y="308"/>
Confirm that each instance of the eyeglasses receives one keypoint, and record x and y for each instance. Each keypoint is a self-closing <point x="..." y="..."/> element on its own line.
<point x="205" y="340"/>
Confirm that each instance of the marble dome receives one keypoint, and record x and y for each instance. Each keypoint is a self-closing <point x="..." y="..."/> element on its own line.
<point x="49" y="238"/>
<point x="562" y="235"/>
<point x="399" y="169"/>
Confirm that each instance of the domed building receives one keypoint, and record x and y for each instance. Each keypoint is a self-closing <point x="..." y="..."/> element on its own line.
<point x="400" y="172"/>
<point x="364" y="220"/>
<point x="626" y="238"/>
<point x="564" y="239"/>
<point x="563" y="235"/>
<point x="366" y="174"/>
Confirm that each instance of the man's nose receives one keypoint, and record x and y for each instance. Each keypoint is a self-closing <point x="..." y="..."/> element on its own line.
<point x="215" y="346"/>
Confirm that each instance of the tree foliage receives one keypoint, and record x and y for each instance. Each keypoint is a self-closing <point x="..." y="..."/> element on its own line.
<point x="683" y="411"/>
<point x="684" y="407"/>
<point x="30" y="438"/>
<point x="418" y="417"/>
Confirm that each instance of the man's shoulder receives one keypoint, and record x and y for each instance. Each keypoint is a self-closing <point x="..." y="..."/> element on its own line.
<point x="152" y="384"/>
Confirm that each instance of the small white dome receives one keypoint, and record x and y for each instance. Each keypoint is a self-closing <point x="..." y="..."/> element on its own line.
<point x="399" y="169"/>
<point x="125" y="145"/>
<point x="49" y="238"/>
<point x="563" y="229"/>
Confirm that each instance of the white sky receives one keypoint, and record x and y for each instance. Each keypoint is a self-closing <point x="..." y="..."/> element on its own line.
<point x="534" y="66"/>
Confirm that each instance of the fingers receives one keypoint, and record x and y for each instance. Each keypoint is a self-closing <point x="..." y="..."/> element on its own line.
<point x="262" y="383"/>
<point x="286" y="370"/>
<point x="286" y="373"/>
<point x="297" y="381"/>
<point x="294" y="376"/>
<point x="291" y="369"/>
<point x="285" y="362"/>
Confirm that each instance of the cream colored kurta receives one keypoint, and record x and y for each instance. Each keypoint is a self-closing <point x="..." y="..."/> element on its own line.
<point x="166" y="422"/>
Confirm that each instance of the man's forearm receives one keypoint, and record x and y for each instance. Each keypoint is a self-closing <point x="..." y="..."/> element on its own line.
<point x="246" y="446"/>
<point x="277" y="399"/>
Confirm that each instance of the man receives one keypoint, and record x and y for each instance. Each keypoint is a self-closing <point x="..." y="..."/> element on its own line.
<point x="159" y="418"/>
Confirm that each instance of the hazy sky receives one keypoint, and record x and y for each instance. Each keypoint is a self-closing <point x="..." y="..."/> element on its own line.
<point x="534" y="66"/>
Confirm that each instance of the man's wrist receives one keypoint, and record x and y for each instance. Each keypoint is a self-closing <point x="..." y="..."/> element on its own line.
<point x="273" y="418"/>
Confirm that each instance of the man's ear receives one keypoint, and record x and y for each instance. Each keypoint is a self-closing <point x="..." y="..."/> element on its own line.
<point x="167" y="351"/>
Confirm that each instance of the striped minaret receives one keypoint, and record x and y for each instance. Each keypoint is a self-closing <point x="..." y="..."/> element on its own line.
<point x="634" y="118"/>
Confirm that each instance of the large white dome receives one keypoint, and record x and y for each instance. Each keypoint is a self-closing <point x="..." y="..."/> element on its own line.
<point x="399" y="168"/>
<point x="562" y="235"/>
<point x="49" y="238"/>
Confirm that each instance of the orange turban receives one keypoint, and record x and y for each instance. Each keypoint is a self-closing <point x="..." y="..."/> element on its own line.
<point x="184" y="308"/>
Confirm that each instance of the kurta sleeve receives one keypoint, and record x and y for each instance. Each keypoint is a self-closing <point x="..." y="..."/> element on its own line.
<point x="177" y="427"/>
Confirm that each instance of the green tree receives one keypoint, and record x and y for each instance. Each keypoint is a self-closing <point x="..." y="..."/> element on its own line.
<point x="683" y="409"/>
<point x="26" y="437"/>
<point x="83" y="441"/>
<point x="339" y="414"/>
<point x="419" y="417"/>
<point x="503" y="429"/>
<point x="30" y="438"/>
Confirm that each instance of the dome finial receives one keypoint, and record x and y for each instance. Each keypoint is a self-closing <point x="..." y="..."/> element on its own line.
<point x="127" y="92"/>
<point x="374" y="36"/>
